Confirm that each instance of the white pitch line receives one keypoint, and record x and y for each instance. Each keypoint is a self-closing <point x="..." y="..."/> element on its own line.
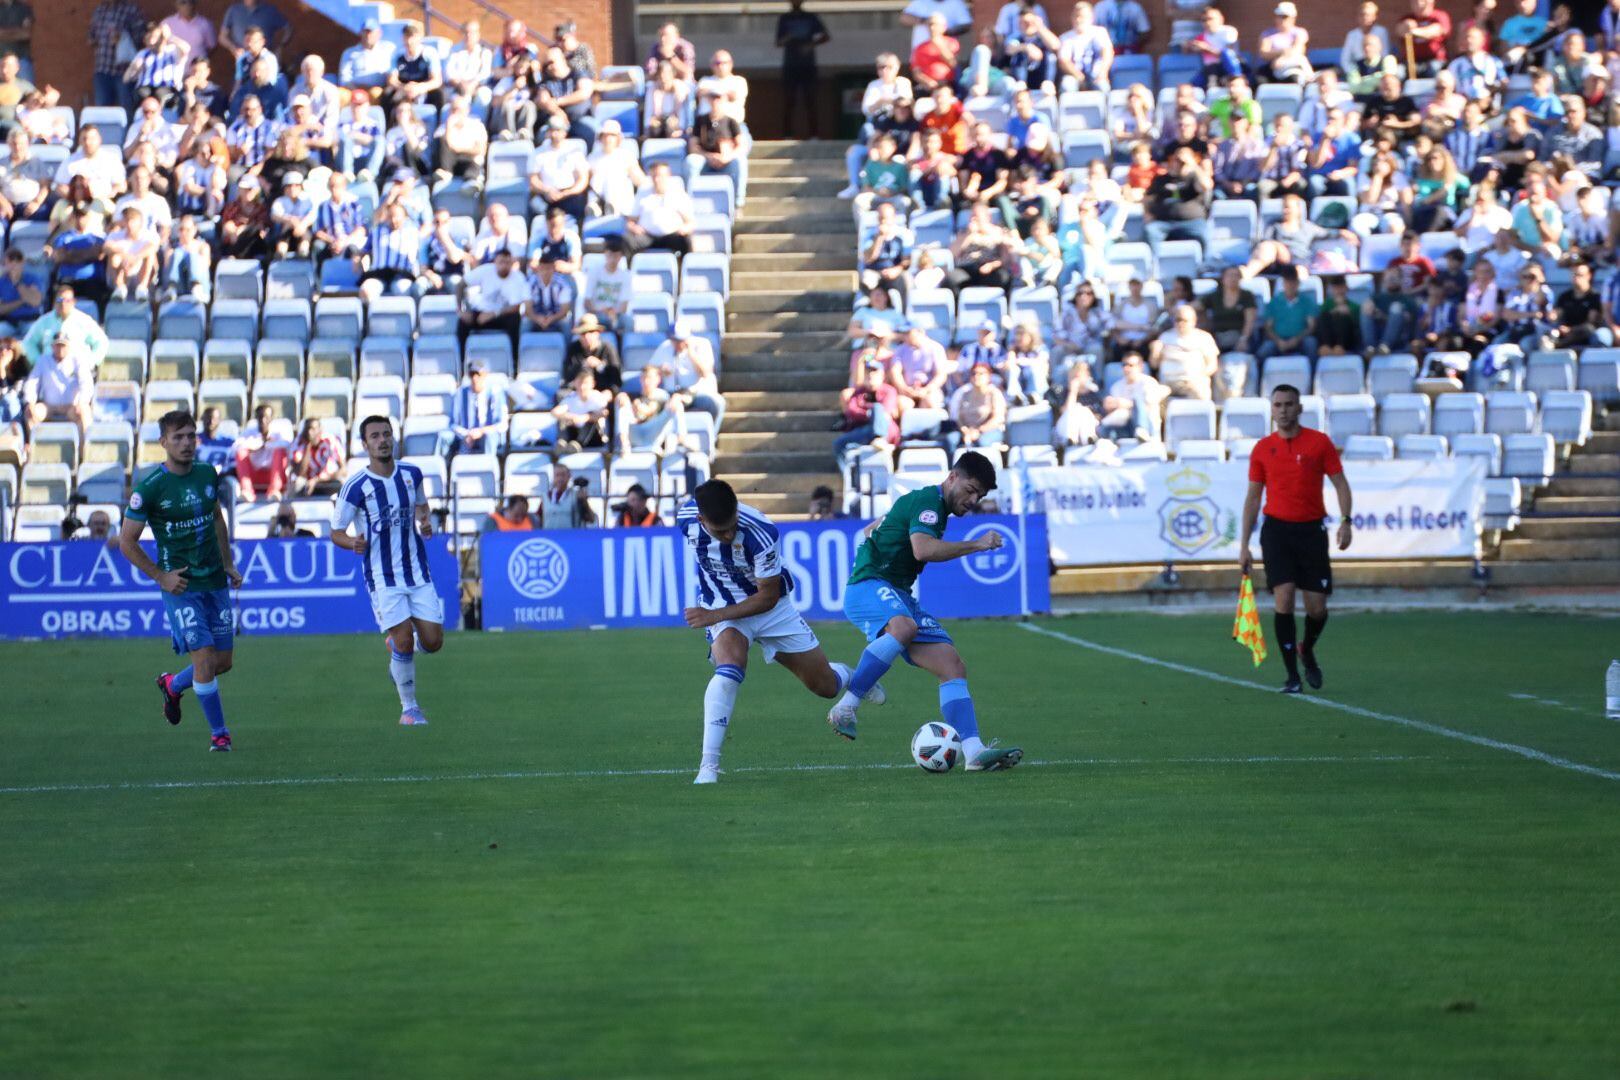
<point x="1551" y="703"/>
<point x="586" y="774"/>
<point x="1354" y="710"/>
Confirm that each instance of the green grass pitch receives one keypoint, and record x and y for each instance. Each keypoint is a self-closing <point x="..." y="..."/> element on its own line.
<point x="1188" y="878"/>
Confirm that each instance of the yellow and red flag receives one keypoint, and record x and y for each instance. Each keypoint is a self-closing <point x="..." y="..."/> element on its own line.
<point x="1246" y="627"/>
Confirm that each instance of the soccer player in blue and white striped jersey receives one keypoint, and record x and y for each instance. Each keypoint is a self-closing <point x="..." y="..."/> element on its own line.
<point x="387" y="501"/>
<point x="745" y="596"/>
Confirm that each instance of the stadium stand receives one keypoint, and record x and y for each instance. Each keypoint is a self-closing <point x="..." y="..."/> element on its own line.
<point x="308" y="253"/>
<point x="1451" y="300"/>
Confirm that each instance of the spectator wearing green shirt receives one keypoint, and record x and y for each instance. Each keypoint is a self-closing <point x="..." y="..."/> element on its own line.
<point x="85" y="334"/>
<point x="884" y="178"/>
<point x="1239" y="102"/>
<point x="1289" y="320"/>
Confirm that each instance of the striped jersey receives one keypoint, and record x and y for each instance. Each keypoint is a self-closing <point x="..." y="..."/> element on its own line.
<point x="386" y="508"/>
<point x="730" y="573"/>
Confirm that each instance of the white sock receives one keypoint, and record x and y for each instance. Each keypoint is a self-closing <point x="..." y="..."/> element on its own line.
<point x="718" y="701"/>
<point x="403" y="670"/>
<point x="844" y="673"/>
<point x="972" y="746"/>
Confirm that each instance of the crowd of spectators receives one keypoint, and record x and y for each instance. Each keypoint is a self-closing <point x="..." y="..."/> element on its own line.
<point x="381" y="177"/>
<point x="1447" y="191"/>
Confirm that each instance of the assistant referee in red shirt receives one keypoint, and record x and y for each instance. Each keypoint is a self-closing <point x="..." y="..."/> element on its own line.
<point x="1289" y="465"/>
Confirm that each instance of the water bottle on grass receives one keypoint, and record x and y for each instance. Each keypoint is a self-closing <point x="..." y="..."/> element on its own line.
<point x="1611" y="695"/>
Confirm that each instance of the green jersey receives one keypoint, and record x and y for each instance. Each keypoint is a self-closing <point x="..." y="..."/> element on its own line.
<point x="181" y="510"/>
<point x="886" y="554"/>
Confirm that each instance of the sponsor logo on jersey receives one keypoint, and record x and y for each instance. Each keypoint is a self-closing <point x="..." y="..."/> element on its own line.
<point x="928" y="517"/>
<point x="135" y="500"/>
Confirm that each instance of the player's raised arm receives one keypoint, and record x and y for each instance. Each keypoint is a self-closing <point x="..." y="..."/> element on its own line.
<point x="929" y="549"/>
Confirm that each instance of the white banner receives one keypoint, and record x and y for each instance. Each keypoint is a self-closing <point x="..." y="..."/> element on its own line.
<point x="1190" y="512"/>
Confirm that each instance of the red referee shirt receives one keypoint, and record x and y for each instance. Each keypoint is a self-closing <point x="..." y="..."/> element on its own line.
<point x="1292" y="471"/>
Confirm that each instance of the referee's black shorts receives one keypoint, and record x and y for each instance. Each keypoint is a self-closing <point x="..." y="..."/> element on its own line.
<point x="1296" y="553"/>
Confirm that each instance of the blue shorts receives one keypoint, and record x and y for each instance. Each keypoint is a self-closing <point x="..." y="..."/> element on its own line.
<point x="200" y="620"/>
<point x="872" y="603"/>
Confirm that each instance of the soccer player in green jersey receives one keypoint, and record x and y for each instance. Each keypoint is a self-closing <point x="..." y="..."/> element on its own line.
<point x="879" y="602"/>
<point x="180" y="500"/>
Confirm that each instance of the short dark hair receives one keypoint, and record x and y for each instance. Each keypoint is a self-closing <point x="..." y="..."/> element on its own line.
<point x="822" y="491"/>
<point x="637" y="489"/>
<point x="716" y="502"/>
<point x="1285" y="388"/>
<point x="975" y="466"/>
<point x="174" y="420"/>
<point x="374" y="419"/>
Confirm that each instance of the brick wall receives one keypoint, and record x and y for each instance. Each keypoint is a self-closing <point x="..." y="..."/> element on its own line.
<point x="62" y="55"/>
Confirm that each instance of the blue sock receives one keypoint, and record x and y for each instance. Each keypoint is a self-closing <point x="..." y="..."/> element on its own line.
<point x="876" y="660"/>
<point x="956" y="706"/>
<point x="208" y="695"/>
<point x="180" y="681"/>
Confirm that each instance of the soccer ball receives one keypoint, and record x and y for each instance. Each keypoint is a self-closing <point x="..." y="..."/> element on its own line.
<point x="936" y="747"/>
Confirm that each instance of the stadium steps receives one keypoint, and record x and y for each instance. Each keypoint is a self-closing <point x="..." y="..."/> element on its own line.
<point x="832" y="361"/>
<point x="838" y="282"/>
<point x="743" y="342"/>
<point x="792" y="268"/>
<point x="1544" y="550"/>
<point x="811" y="299"/>
<point x="776" y="262"/>
<point x="1535" y="527"/>
<point x="782" y="322"/>
<point x="840" y="241"/>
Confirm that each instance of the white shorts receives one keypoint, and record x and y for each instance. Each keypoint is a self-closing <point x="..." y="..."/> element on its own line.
<point x="393" y="604"/>
<point x="781" y="629"/>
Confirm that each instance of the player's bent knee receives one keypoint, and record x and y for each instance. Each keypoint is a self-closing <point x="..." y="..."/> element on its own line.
<point x="431" y="640"/>
<point x="222" y="663"/>
<point x="902" y="629"/>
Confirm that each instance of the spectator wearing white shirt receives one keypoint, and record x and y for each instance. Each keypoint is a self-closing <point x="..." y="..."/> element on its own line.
<point x="607" y="285"/>
<point x="615" y="170"/>
<point x="101" y="165"/>
<point x="958" y="18"/>
<point x="1186" y="358"/>
<point x="152" y="127"/>
<point x="582" y="415"/>
<point x="493" y="298"/>
<point x="558" y="173"/>
<point x="497" y="233"/>
<point x="153" y="207"/>
<point x="463" y="142"/>
<point x="132" y="257"/>
<point x="1085" y="54"/>
<point x="1366" y="27"/>
<point x="663" y="217"/>
<point x="878" y="103"/>
<point x="326" y="98"/>
<point x="1284" y="49"/>
<point x="368" y="65"/>
<point x="62" y="386"/>
<point x="687" y="364"/>
<point x="292" y="218"/>
<point x="723" y="92"/>
<point x="469" y="68"/>
<point x="1131" y="409"/>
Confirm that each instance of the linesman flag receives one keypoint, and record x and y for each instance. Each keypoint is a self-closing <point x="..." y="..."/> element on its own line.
<point x="1246" y="627"/>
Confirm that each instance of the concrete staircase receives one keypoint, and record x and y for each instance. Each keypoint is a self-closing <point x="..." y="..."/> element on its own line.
<point x="1577" y="516"/>
<point x="792" y="272"/>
